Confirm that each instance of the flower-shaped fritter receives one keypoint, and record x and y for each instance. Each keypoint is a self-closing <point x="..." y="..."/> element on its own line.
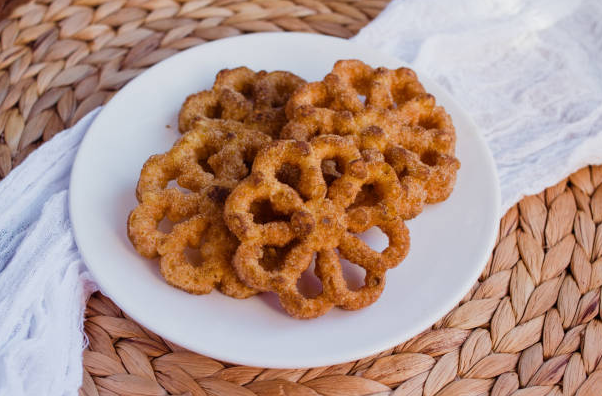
<point x="314" y="217"/>
<point x="256" y="99"/>
<point x="209" y="160"/>
<point x="386" y="110"/>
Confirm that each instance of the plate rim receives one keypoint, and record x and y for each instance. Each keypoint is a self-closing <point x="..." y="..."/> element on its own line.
<point x="377" y="346"/>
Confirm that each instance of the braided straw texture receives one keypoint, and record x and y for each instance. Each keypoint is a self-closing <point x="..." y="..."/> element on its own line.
<point x="60" y="59"/>
<point x="529" y="327"/>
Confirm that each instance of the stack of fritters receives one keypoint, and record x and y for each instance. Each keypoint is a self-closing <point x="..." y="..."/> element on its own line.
<point x="281" y="174"/>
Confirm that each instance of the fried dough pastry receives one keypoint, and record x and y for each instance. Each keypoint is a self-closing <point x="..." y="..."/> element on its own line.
<point x="398" y="119"/>
<point x="315" y="217"/>
<point x="209" y="160"/>
<point x="255" y="99"/>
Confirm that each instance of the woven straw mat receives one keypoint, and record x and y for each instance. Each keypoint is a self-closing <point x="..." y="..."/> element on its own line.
<point x="530" y="326"/>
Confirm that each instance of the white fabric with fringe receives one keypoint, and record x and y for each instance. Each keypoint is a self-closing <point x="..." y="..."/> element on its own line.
<point x="44" y="285"/>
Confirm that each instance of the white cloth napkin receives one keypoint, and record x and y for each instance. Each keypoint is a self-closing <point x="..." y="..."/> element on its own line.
<point x="529" y="72"/>
<point x="43" y="282"/>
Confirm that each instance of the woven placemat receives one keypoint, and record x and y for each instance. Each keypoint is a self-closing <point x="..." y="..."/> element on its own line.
<point x="60" y="59"/>
<point x="529" y="326"/>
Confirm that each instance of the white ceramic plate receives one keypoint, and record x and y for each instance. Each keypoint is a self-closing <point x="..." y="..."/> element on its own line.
<point x="450" y="242"/>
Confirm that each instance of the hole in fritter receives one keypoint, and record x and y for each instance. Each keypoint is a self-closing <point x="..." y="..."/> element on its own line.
<point x="274" y="256"/>
<point x="331" y="170"/>
<point x="403" y="92"/>
<point x="321" y="101"/>
<point x="429" y="158"/>
<point x="193" y="256"/>
<point x="308" y="284"/>
<point x="263" y="212"/>
<point x="205" y="165"/>
<point x="174" y="184"/>
<point x="367" y="196"/>
<point x="165" y="225"/>
<point x="248" y="164"/>
<point x="428" y="123"/>
<point x="289" y="174"/>
<point x="402" y="173"/>
<point x="283" y="93"/>
<point x="361" y="82"/>
<point x="375" y="238"/>
<point x="400" y="97"/>
<point x="215" y="111"/>
<point x="353" y="274"/>
<point x="247" y="91"/>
